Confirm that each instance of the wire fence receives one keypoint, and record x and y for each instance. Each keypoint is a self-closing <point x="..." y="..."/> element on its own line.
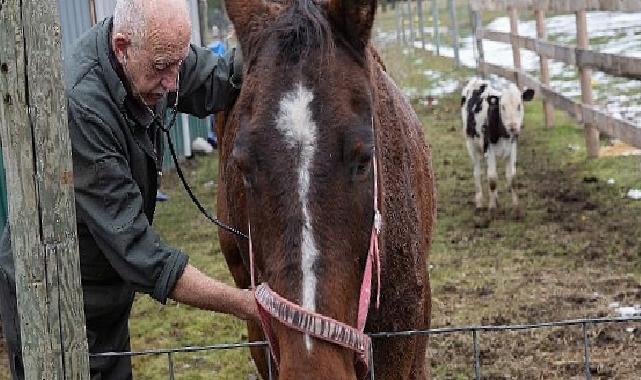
<point x="474" y="330"/>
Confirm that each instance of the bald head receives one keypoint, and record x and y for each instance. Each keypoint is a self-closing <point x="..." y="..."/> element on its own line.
<point x="150" y="38"/>
<point x="138" y="19"/>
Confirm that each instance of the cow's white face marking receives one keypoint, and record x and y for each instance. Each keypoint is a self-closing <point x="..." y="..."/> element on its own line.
<point x="297" y="126"/>
<point x="512" y="111"/>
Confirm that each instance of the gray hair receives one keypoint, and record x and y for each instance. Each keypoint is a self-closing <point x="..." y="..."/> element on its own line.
<point x="129" y="18"/>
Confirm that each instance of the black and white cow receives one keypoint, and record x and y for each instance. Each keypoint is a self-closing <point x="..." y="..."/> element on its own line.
<point x="492" y="122"/>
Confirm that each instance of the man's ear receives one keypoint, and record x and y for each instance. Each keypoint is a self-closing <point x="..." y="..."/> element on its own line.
<point x="121" y="42"/>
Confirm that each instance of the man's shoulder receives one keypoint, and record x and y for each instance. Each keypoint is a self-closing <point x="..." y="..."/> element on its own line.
<point x="90" y="96"/>
<point x="84" y="55"/>
<point x="86" y="81"/>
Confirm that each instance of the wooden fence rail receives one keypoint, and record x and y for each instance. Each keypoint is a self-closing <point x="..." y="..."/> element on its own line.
<point x="593" y="119"/>
<point x="617" y="128"/>
<point x="628" y="67"/>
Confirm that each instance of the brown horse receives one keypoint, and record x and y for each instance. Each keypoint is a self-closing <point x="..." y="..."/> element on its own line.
<point x="296" y="165"/>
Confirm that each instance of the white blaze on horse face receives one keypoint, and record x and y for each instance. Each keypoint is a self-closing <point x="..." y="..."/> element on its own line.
<point x="295" y="122"/>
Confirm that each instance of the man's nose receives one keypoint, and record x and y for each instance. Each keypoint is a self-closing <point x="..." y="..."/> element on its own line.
<point x="169" y="81"/>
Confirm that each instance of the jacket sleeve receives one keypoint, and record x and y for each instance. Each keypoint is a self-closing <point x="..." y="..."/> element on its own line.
<point x="110" y="203"/>
<point x="205" y="87"/>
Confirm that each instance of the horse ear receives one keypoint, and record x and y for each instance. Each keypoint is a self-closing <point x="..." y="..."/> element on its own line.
<point x="354" y="18"/>
<point x="249" y="17"/>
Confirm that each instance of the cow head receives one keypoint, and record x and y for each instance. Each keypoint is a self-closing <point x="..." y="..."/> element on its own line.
<point x="510" y="103"/>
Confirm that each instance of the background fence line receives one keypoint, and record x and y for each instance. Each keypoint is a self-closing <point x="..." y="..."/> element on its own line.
<point x="405" y="21"/>
<point x="585" y="60"/>
<point x="594" y="120"/>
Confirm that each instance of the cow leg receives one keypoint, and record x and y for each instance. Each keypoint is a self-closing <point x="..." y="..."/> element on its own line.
<point x="510" y="173"/>
<point x="492" y="177"/>
<point x="476" y="157"/>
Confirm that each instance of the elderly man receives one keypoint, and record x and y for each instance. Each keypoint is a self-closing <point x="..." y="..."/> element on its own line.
<point x="122" y="76"/>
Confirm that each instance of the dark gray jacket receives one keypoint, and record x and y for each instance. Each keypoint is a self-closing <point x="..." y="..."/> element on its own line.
<point x="117" y="150"/>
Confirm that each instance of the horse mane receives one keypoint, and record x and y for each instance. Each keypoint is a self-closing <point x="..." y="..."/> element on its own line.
<point x="302" y="27"/>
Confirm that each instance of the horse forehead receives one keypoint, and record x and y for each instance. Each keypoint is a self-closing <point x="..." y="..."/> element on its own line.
<point x="295" y="118"/>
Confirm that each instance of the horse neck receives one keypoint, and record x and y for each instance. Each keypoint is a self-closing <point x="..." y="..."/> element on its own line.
<point x="400" y="143"/>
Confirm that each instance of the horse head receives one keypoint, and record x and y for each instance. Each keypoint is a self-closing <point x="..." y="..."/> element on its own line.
<point x="301" y="147"/>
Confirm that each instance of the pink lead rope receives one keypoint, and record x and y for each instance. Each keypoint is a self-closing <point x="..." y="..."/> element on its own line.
<point x="272" y="305"/>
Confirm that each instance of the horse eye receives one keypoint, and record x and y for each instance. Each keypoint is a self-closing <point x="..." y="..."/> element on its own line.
<point x="240" y="158"/>
<point x="362" y="167"/>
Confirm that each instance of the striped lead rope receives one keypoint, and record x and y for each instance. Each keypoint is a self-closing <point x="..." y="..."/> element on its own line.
<point x="308" y="322"/>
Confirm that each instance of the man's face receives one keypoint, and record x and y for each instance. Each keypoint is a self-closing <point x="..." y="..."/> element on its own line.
<point x="152" y="74"/>
<point x="152" y="65"/>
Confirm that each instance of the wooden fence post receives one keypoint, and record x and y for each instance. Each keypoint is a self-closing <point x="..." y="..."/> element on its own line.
<point x="421" y="21"/>
<point x="37" y="152"/>
<point x="397" y="17"/>
<point x="478" y="28"/>
<point x="514" y="29"/>
<point x="454" y="32"/>
<point x="410" y="16"/>
<point x="435" y="21"/>
<point x="582" y="42"/>
<point x="541" y="34"/>
<point x="401" y="10"/>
